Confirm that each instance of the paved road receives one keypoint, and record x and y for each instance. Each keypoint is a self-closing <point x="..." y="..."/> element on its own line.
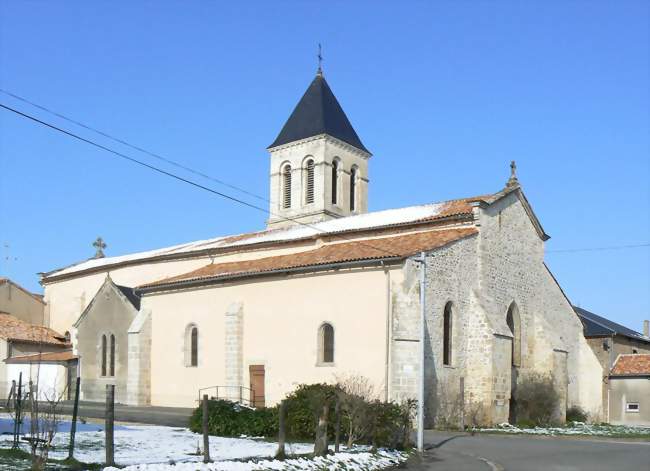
<point x="170" y="416"/>
<point x="449" y="452"/>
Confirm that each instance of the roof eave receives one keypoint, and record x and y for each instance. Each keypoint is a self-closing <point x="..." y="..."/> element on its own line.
<point x="210" y="280"/>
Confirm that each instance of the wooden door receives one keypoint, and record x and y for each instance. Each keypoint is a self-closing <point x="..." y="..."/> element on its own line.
<point x="256" y="373"/>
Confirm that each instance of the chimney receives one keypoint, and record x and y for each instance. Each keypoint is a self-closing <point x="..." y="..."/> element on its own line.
<point x="646" y="328"/>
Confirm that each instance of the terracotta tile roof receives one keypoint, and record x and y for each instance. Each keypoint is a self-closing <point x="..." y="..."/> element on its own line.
<point x="366" y="249"/>
<point x="63" y="356"/>
<point x="632" y="365"/>
<point x="12" y="328"/>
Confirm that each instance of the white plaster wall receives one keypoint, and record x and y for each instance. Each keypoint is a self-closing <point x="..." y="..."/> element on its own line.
<point x="49" y="378"/>
<point x="281" y="318"/>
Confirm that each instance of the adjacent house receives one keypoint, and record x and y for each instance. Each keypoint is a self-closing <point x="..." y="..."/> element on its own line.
<point x="629" y="390"/>
<point x="608" y="340"/>
<point x="21" y="303"/>
<point x="34" y="353"/>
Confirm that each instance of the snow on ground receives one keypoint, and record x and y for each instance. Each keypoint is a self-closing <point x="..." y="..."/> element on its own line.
<point x="150" y="447"/>
<point x="138" y="444"/>
<point x="361" y="461"/>
<point x="575" y="428"/>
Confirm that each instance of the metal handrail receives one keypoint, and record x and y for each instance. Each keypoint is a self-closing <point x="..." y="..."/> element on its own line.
<point x="240" y="393"/>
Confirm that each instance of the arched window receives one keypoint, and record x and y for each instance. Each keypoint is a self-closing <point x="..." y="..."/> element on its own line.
<point x="192" y="345"/>
<point x="335" y="181"/>
<point x="104" y="345"/>
<point x="286" y="186"/>
<point x="326" y="341"/>
<point x="309" y="182"/>
<point x="353" y="188"/>
<point x="447" y="334"/>
<point x="514" y="324"/>
<point x="112" y="362"/>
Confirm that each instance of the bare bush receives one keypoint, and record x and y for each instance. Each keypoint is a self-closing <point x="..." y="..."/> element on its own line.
<point x="537" y="399"/>
<point x="356" y="393"/>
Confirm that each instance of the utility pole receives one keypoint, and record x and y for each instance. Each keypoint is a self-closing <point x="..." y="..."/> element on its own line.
<point x="422" y="260"/>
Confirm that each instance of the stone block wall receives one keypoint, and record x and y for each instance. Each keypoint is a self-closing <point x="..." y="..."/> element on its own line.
<point x="139" y="374"/>
<point x="234" y="345"/>
<point x="405" y="335"/>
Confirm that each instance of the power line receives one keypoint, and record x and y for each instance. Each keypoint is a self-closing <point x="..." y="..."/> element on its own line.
<point x="218" y="193"/>
<point x="598" y="249"/>
<point x="132" y="146"/>
<point x="182" y="179"/>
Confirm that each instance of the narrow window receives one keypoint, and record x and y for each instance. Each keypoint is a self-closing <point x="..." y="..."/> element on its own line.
<point x="514" y="324"/>
<point x="446" y="335"/>
<point x="194" y="360"/>
<point x="327" y="343"/>
<point x="103" y="355"/>
<point x="286" y="186"/>
<point x="112" y="362"/>
<point x="632" y="407"/>
<point x="309" y="184"/>
<point x="335" y="181"/>
<point x="353" y="188"/>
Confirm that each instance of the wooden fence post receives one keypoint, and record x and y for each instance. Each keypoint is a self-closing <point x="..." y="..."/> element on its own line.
<point x="73" y="425"/>
<point x="18" y="405"/>
<point x="282" y="435"/>
<point x="206" y="437"/>
<point x="110" y="419"/>
<point x="337" y="430"/>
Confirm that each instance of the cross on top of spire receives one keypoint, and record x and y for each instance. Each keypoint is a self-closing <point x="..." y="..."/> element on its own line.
<point x="100" y="245"/>
<point x="320" y="60"/>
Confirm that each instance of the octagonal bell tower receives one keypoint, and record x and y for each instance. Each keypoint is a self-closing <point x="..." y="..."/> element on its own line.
<point x="319" y="167"/>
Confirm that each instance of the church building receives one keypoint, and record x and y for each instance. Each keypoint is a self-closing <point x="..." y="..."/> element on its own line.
<point x="328" y="289"/>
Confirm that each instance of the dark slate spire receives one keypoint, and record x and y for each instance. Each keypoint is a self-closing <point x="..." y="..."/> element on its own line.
<point x="318" y="112"/>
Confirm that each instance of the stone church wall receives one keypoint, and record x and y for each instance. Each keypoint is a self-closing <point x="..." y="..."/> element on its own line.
<point x="513" y="270"/>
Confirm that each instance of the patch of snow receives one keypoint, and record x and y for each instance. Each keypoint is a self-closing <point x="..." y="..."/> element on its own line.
<point x="362" y="461"/>
<point x="361" y="221"/>
<point x="153" y="448"/>
<point x="574" y="428"/>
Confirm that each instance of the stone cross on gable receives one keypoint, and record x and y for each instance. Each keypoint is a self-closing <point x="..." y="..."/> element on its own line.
<point x="512" y="181"/>
<point x="99" y="245"/>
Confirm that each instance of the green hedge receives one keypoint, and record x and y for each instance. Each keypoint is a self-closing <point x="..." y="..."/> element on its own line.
<point x="229" y="419"/>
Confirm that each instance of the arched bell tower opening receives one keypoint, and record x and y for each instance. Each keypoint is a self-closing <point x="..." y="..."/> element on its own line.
<point x="319" y="166"/>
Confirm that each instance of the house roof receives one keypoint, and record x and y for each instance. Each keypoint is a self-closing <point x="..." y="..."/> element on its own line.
<point x="37" y="297"/>
<point x="395" y="247"/>
<point x="14" y="329"/>
<point x="55" y="357"/>
<point x="318" y="112"/>
<point x="373" y="221"/>
<point x="598" y="326"/>
<point x="632" y="365"/>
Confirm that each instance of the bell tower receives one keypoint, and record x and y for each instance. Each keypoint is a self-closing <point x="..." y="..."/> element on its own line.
<point x="319" y="167"/>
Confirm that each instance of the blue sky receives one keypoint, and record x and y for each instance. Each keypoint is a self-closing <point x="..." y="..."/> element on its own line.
<point x="443" y="93"/>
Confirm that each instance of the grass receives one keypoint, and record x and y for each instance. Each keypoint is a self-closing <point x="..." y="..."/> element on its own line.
<point x="17" y="459"/>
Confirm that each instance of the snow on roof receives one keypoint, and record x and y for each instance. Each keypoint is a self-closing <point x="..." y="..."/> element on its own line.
<point x="377" y="219"/>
